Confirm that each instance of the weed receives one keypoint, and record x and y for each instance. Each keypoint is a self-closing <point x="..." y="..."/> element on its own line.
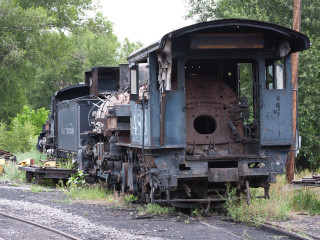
<point x="77" y="180"/>
<point x="259" y="210"/>
<point x="129" y="199"/>
<point x="37" y="188"/>
<point x="88" y="193"/>
<point x="187" y="221"/>
<point x="157" y="209"/>
<point x="12" y="173"/>
<point x="85" y="213"/>
<point x="197" y="213"/>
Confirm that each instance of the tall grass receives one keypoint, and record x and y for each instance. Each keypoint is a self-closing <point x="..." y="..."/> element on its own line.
<point x="91" y="192"/>
<point x="157" y="209"/>
<point x="284" y="201"/>
<point x="12" y="173"/>
<point x="306" y="199"/>
<point x="35" y="154"/>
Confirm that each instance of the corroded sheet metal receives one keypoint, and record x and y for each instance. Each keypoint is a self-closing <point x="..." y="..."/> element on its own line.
<point x="223" y="175"/>
<point x="206" y="96"/>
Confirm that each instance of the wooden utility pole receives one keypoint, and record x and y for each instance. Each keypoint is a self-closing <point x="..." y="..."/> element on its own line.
<point x="294" y="62"/>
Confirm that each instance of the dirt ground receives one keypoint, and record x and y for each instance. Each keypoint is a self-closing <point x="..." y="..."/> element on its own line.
<point x="97" y="221"/>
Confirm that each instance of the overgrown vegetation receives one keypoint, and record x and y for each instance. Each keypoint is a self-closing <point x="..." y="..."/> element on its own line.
<point x="284" y="201"/>
<point x="306" y="199"/>
<point x="34" y="154"/>
<point x="156" y="209"/>
<point x="12" y="173"/>
<point x="21" y="134"/>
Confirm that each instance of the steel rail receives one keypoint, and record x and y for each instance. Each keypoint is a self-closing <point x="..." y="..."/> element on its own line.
<point x="40" y="226"/>
<point x="267" y="227"/>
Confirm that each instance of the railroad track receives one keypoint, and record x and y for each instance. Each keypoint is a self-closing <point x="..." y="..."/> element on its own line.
<point x="50" y="230"/>
<point x="266" y="227"/>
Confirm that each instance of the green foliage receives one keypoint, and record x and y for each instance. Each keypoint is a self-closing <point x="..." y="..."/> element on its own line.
<point x="36" y="117"/>
<point x="281" y="12"/>
<point x="197" y="212"/>
<point x="259" y="210"/>
<point x="92" y="192"/>
<point x="20" y="135"/>
<point x="34" y="154"/>
<point x="48" y="44"/>
<point x="127" y="48"/>
<point x="12" y="173"/>
<point x="306" y="199"/>
<point x="77" y="180"/>
<point x="157" y="209"/>
<point x="129" y="198"/>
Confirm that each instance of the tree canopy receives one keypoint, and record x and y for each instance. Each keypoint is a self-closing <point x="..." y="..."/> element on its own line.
<point x="45" y="43"/>
<point x="281" y="12"/>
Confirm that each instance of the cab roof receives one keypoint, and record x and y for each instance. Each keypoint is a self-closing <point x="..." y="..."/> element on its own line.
<point x="298" y="41"/>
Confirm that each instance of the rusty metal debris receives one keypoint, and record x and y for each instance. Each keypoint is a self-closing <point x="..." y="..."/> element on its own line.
<point x="7" y="156"/>
<point x="46" y="172"/>
<point x="308" y="181"/>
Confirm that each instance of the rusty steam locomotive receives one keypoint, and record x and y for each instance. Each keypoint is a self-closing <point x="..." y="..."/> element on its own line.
<point x="208" y="104"/>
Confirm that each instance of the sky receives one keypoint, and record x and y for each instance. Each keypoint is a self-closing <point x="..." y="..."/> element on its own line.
<point x="145" y="20"/>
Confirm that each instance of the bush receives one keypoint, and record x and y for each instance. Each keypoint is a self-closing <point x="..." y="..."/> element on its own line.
<point x="12" y="173"/>
<point x="35" y="117"/>
<point x="20" y="134"/>
<point x="21" y="137"/>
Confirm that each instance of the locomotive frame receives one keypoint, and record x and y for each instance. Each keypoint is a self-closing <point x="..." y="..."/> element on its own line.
<point x="174" y="126"/>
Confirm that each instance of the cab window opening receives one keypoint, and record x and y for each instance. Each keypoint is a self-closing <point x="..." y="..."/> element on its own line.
<point x="275" y="74"/>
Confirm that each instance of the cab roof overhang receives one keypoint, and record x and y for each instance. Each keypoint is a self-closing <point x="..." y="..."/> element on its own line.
<point x="298" y="41"/>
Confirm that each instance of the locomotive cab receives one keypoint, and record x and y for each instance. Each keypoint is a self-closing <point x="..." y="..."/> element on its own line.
<point x="216" y="109"/>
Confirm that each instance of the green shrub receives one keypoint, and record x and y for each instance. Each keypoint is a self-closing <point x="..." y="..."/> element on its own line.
<point x="77" y="180"/>
<point x="12" y="173"/>
<point x="21" y="134"/>
<point x="36" y="117"/>
<point x="21" y="137"/>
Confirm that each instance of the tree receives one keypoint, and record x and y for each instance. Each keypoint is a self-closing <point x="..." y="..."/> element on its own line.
<point x="280" y="12"/>
<point x="127" y="48"/>
<point x="47" y="41"/>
